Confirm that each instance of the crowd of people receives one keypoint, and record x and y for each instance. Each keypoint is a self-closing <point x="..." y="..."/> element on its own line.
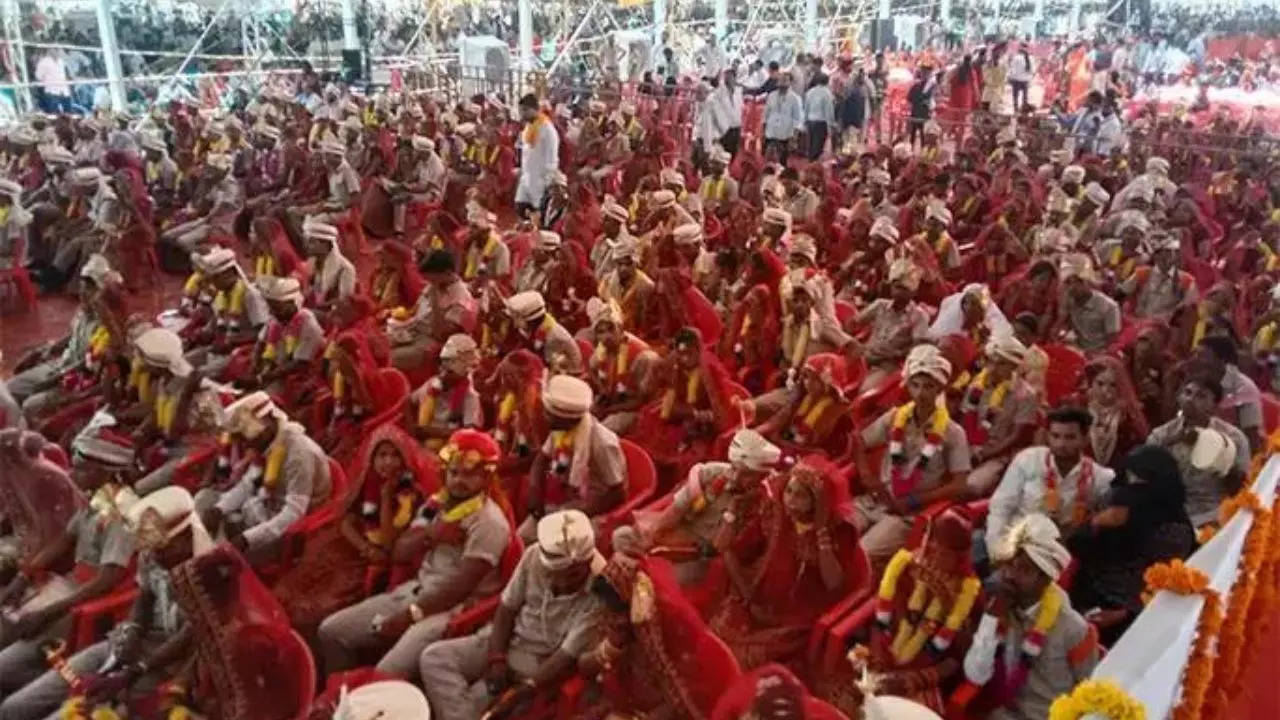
<point x="634" y="407"/>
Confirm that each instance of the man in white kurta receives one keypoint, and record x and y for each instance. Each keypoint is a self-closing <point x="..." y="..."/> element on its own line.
<point x="539" y="153"/>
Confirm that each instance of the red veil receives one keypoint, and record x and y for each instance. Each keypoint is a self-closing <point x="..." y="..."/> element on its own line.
<point x="37" y="496"/>
<point x="680" y="303"/>
<point x="679" y="659"/>
<point x="411" y="282"/>
<point x="367" y="485"/>
<point x="244" y="669"/>
<point x="272" y="233"/>
<point x="739" y="699"/>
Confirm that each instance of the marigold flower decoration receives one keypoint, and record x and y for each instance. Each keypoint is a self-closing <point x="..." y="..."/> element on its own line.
<point x="1232" y="639"/>
<point x="1178" y="577"/>
<point x="1097" y="697"/>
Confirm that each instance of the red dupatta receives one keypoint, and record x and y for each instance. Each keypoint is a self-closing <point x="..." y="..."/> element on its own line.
<point x="37" y="496"/>
<point x="419" y="465"/>
<point x="241" y="669"/>
<point x="681" y="303"/>
<point x="740" y="699"/>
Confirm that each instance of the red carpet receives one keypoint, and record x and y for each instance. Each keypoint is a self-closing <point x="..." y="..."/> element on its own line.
<point x="1260" y="699"/>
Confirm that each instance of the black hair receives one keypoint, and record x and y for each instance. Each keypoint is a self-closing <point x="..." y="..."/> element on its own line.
<point x="773" y="67"/>
<point x="789" y="173"/>
<point x="688" y="336"/>
<point x="529" y="100"/>
<point x="1222" y="347"/>
<point x="1042" y="267"/>
<point x="1073" y="415"/>
<point x="438" y="261"/>
<point x="608" y="594"/>
<point x="1207" y="381"/>
<point x="1029" y="319"/>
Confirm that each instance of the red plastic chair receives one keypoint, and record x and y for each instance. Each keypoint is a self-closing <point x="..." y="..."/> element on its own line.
<point x="296" y="536"/>
<point x="873" y="402"/>
<point x="821" y="635"/>
<point x="18" y="279"/>
<point x="296" y="664"/>
<point x="90" y="621"/>
<point x="642" y="479"/>
<point x="1270" y="413"/>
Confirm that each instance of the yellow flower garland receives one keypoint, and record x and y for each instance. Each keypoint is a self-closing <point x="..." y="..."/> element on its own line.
<point x="1097" y="697"/>
<point x="910" y="640"/>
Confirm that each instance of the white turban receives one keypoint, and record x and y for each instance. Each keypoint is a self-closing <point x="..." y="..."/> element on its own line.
<point x="1006" y="347"/>
<point x="599" y="311"/>
<point x="567" y="397"/>
<point x="750" y="450"/>
<point x="879" y="176"/>
<point x="663" y="198"/>
<point x="548" y="240"/>
<point x="86" y="176"/>
<point x="466" y="129"/>
<point x="927" y="360"/>
<point x="218" y="161"/>
<point x="281" y="289"/>
<point x="1037" y="536"/>
<point x="218" y="259"/>
<point x="389" y="699"/>
<point x="1073" y="173"/>
<point x="687" y="234"/>
<point x="671" y="176"/>
<point x="566" y="538"/>
<point x="244" y="417"/>
<point x="163" y="348"/>
<point x="906" y="273"/>
<point x="1157" y="166"/>
<point x="804" y="246"/>
<point x="153" y="141"/>
<point x="457" y="346"/>
<point x="1097" y="194"/>
<point x="777" y="216"/>
<point x="1213" y="452"/>
<point x="613" y="210"/>
<point x="481" y="218"/>
<point x="56" y="155"/>
<point x="163" y="515"/>
<point x="937" y="210"/>
<point x="1077" y="265"/>
<point x="97" y="269"/>
<point x="423" y="144"/>
<point x="528" y="305"/>
<point x="884" y="228"/>
<point x="107" y="448"/>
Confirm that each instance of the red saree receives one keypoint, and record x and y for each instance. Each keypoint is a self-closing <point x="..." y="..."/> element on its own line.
<point x="747" y="348"/>
<point x="36" y="496"/>
<point x="780" y="563"/>
<point x="244" y="668"/>
<point x="334" y="568"/>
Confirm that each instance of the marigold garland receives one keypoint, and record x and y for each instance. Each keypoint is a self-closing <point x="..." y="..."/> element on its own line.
<point x="1097" y="697"/>
<point x="1226" y="675"/>
<point x="1178" y="577"/>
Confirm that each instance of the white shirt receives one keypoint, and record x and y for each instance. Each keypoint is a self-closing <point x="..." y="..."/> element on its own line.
<point x="783" y="115"/>
<point x="1110" y="135"/>
<point x="1022" y="491"/>
<point x="51" y="72"/>
<point x="537" y="162"/>
<point x="819" y="105"/>
<point x="726" y="108"/>
<point x="1020" y="67"/>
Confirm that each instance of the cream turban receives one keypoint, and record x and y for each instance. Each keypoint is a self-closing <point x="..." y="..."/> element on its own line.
<point x="386" y="699"/>
<point x="1166" y="242"/>
<point x="566" y="538"/>
<point x="526" y="306"/>
<point x="333" y="147"/>
<point x="469" y="107"/>
<point x="457" y="347"/>
<point x="281" y="289"/>
<point x="1006" y="347"/>
<point x="777" y="216"/>
<point x="218" y="161"/>
<point x="163" y="515"/>
<point x="56" y="155"/>
<point x="905" y="273"/>
<point x="599" y="311"/>
<point x="567" y="397"/>
<point x="687" y="234"/>
<point x="466" y="129"/>
<point x="596" y="106"/>
<point x="163" y="348"/>
<point x="1133" y="221"/>
<point x="927" y="360"/>
<point x="902" y="151"/>
<point x="1037" y="536"/>
<point x="1059" y="202"/>
<point x="671" y="176"/>
<point x="937" y="210"/>
<point x="86" y="176"/>
<point x="1140" y="189"/>
<point x="884" y="228"/>
<point x="663" y="198"/>
<point x="481" y="218"/>
<point x="218" y="259"/>
<point x="1076" y="265"/>
<point x="1073" y="174"/>
<point x="152" y="141"/>
<point x="804" y="246"/>
<point x="611" y="209"/>
<point x="1059" y="156"/>
<point x="624" y="249"/>
<point x="1157" y="166"/>
<point x="1213" y="452"/>
<point x="889" y="707"/>
<point x="751" y="451"/>
<point x="720" y="155"/>
<point x="1097" y="194"/>
<point x="423" y="144"/>
<point x="244" y="417"/>
<point x="932" y="128"/>
<point x="879" y="176"/>
<point x="269" y="132"/>
<point x="548" y="240"/>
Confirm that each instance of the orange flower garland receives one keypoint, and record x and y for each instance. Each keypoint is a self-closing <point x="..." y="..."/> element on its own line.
<point x="1231" y="641"/>
<point x="1177" y="577"/>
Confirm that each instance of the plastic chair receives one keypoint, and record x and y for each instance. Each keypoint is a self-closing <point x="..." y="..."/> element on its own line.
<point x="821" y="636"/>
<point x="295" y="664"/>
<point x="92" y="620"/>
<point x="1066" y="365"/>
<point x="642" y="479"/>
<point x="19" y="278"/>
<point x="1270" y="413"/>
